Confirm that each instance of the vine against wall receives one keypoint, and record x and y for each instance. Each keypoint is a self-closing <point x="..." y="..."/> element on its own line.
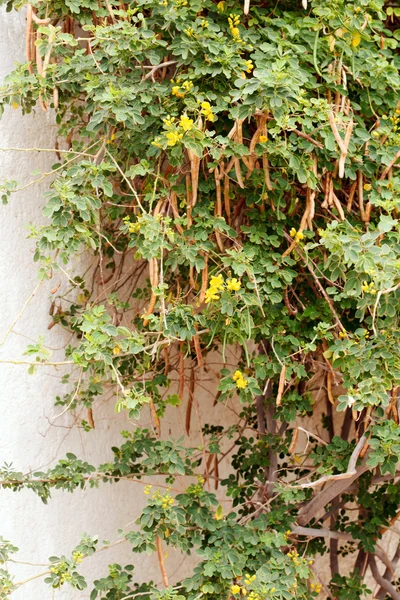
<point x="232" y="171"/>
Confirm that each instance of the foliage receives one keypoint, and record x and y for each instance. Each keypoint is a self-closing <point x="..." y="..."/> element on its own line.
<point x="247" y="164"/>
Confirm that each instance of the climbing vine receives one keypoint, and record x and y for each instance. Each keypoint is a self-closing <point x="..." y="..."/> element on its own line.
<point x="233" y="173"/>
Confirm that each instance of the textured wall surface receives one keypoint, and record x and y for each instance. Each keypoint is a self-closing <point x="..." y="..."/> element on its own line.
<point x="27" y="410"/>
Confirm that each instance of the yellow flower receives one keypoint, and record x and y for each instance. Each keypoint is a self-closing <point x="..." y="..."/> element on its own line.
<point x="356" y="39"/>
<point x="189" y="31"/>
<point x="262" y="139"/>
<point x="135" y="227"/>
<point x="299" y="236"/>
<point x="367" y="187"/>
<point x="116" y="350"/>
<point x="241" y="384"/>
<point x="168" y="122"/>
<point x="147" y="489"/>
<point x="235" y="32"/>
<point x="235" y="589"/>
<point x="217" y="281"/>
<point x="210" y="295"/>
<point x="292" y="232"/>
<point x="185" y="123"/>
<point x="206" y="110"/>
<point x="204" y="23"/>
<point x="156" y="143"/>
<point x="244" y="592"/>
<point x="173" y="137"/>
<point x="221" y="7"/>
<point x="176" y="91"/>
<point x="187" y="85"/>
<point x="233" y="284"/>
<point x="249" y="66"/>
<point x="240" y="381"/>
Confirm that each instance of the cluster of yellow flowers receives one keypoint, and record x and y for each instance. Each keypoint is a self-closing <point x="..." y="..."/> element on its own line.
<point x="368" y="288"/>
<point x="182" y="89"/>
<point x="185" y="123"/>
<point x="297" y="235"/>
<point x="236" y="588"/>
<point x="78" y="557"/>
<point x="175" y="130"/>
<point x="133" y="227"/>
<point x="189" y="31"/>
<point x="206" y="110"/>
<point x="294" y="555"/>
<point x="241" y="382"/>
<point x="166" y="500"/>
<point x="196" y="488"/>
<point x="234" y="21"/>
<point x="61" y="571"/>
<point x="316" y="587"/>
<point x="173" y="137"/>
<point x="216" y="285"/>
<point x="249" y="66"/>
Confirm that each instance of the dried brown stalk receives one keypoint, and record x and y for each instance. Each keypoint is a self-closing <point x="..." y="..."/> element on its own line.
<point x="227" y="201"/>
<point x="188" y="418"/>
<point x="281" y="386"/>
<point x="155" y="416"/>
<point x="197" y="347"/>
<point x="361" y="194"/>
<point x="294" y="441"/>
<point x="28" y="36"/>
<point x="204" y="280"/>
<point x="350" y="198"/>
<point x="181" y="371"/>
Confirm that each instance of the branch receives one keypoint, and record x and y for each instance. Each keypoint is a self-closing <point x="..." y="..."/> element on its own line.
<point x="319" y="285"/>
<point x="308" y="138"/>
<point x="316" y="505"/>
<point x="157" y="67"/>
<point x="378" y="297"/>
<point x="325" y="533"/>
<point x="390" y="165"/>
<point x="384" y="583"/>
<point x="161" y="562"/>
<point x="351" y="468"/>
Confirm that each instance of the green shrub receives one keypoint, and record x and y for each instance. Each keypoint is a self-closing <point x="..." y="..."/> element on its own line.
<point x="247" y="164"/>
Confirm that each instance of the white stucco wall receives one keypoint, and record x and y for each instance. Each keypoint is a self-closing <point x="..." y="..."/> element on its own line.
<point x="26" y="401"/>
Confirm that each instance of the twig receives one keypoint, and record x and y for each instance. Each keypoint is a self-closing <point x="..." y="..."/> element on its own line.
<point x="157" y="67"/>
<point x="21" y="312"/>
<point x="378" y="297"/>
<point x="72" y="400"/>
<point x="389" y="166"/>
<point x="351" y="468"/>
<point x="308" y="138"/>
